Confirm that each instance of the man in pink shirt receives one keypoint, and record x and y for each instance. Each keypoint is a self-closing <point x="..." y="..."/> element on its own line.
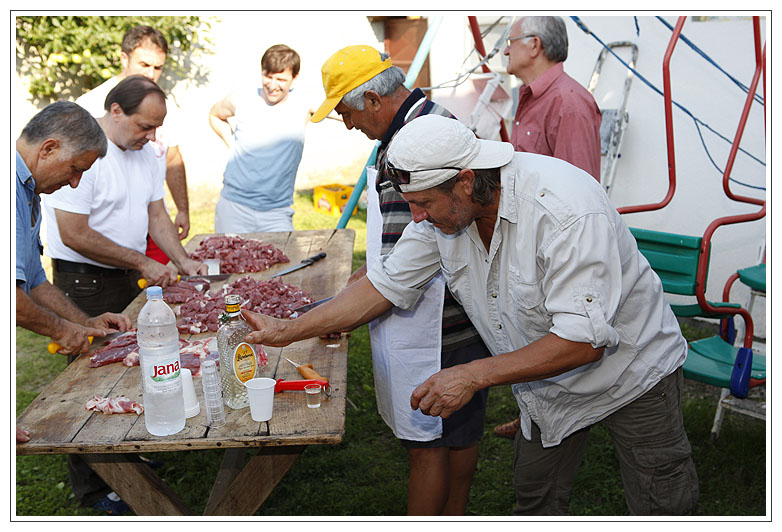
<point x="556" y="116"/>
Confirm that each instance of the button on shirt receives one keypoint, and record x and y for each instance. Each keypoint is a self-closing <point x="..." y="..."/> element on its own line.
<point x="557" y="116"/>
<point x="29" y="272"/>
<point x="561" y="261"/>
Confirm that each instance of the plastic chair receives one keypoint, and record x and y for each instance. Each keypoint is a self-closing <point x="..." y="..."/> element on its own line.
<point x="715" y="361"/>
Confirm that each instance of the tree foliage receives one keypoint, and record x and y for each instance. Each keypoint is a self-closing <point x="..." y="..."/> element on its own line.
<point x="68" y="55"/>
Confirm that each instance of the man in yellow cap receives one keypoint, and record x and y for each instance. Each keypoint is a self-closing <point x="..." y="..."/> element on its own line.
<point x="368" y="92"/>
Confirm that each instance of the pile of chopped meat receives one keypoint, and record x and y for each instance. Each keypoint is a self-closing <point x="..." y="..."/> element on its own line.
<point x="237" y="254"/>
<point x="273" y="297"/>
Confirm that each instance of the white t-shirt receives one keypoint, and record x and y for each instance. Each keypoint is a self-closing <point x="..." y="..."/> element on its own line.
<point x="115" y="192"/>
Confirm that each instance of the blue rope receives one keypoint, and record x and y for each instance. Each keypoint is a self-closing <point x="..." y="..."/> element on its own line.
<point x="697" y="121"/>
<point x="757" y="97"/>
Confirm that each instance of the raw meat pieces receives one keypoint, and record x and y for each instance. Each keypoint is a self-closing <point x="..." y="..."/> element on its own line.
<point x="183" y="290"/>
<point x="114" y="405"/>
<point x="237" y="254"/>
<point x="115" y="351"/>
<point x="273" y="297"/>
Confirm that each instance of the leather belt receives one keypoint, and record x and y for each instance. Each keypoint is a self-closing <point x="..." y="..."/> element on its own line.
<point x="66" y="266"/>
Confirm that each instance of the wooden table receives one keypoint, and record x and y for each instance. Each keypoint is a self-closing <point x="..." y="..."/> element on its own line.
<point x="59" y="423"/>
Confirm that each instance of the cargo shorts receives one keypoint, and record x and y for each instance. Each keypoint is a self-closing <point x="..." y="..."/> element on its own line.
<point x="654" y="455"/>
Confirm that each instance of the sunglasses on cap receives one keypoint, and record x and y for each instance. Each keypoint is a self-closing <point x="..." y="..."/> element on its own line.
<point x="398" y="176"/>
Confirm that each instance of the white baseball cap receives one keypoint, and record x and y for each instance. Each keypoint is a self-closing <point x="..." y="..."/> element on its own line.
<point x="429" y="143"/>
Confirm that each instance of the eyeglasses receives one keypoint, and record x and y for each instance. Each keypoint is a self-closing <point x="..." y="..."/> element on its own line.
<point x="397" y="176"/>
<point x="510" y="40"/>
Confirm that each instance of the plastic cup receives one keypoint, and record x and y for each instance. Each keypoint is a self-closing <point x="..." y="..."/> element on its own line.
<point x="260" y="393"/>
<point x="313" y="395"/>
<point x="192" y="408"/>
<point x="213" y="266"/>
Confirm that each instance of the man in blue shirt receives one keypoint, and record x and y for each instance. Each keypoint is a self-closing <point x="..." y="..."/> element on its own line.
<point x="55" y="148"/>
<point x="59" y="144"/>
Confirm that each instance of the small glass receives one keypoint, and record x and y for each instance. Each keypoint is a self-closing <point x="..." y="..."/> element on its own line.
<point x="313" y="395"/>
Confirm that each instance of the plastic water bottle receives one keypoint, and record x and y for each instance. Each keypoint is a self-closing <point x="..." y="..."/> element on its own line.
<point x="158" y="341"/>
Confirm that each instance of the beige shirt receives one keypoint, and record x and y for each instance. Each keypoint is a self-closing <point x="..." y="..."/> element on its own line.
<point x="561" y="261"/>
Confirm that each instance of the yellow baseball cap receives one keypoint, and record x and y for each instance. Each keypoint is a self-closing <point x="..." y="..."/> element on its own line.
<point x="346" y="70"/>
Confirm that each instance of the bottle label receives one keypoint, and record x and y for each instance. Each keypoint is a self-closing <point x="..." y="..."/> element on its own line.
<point x="163" y="374"/>
<point x="244" y="364"/>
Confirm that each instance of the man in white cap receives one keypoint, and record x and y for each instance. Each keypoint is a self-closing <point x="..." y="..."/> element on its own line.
<point x="552" y="278"/>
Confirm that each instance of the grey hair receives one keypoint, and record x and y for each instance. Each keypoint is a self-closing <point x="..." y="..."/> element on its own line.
<point x="385" y="83"/>
<point x="69" y="123"/>
<point x="552" y="33"/>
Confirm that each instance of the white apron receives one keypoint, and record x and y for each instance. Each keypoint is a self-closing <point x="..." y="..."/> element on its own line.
<point x="406" y="344"/>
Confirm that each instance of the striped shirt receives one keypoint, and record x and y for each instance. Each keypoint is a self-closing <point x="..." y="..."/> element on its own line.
<point x="458" y="331"/>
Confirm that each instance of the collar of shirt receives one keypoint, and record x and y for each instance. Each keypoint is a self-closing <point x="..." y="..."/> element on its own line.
<point x="508" y="206"/>
<point x="23" y="174"/>
<point x="543" y="82"/>
<point x="400" y="116"/>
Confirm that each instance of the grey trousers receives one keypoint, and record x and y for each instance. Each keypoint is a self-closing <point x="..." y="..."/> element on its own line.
<point x="654" y="455"/>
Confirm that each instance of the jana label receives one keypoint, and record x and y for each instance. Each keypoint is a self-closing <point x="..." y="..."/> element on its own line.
<point x="244" y="362"/>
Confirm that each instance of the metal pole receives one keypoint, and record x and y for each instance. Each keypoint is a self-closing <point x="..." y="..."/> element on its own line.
<point x="412" y="75"/>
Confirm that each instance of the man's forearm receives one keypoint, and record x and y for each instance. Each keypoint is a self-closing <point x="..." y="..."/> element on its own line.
<point x="49" y="296"/>
<point x="36" y="318"/>
<point x="176" y="179"/>
<point x="544" y="358"/>
<point x="164" y="233"/>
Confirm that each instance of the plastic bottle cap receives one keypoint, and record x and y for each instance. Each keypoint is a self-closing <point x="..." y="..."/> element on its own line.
<point x="154" y="291"/>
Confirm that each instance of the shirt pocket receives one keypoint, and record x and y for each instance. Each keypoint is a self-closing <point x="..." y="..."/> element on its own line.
<point x="529" y="139"/>
<point x="455" y="272"/>
<point x="529" y="308"/>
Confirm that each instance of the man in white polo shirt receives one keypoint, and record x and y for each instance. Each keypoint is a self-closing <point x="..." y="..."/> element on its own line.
<point x="97" y="233"/>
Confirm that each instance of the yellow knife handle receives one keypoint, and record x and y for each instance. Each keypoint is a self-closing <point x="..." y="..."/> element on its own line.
<point x="143" y="283"/>
<point x="54" y="347"/>
<point x="308" y="373"/>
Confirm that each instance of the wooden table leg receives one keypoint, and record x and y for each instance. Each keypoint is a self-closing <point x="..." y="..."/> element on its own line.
<point x="233" y="462"/>
<point x="137" y="485"/>
<point x="256" y="481"/>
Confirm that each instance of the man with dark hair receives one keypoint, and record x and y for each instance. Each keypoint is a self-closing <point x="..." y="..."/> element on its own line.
<point x="97" y="233"/>
<point x="55" y="148"/>
<point x="266" y="144"/>
<point x="556" y="116"/>
<point x="143" y="51"/>
<point x="550" y="275"/>
<point x="368" y="92"/>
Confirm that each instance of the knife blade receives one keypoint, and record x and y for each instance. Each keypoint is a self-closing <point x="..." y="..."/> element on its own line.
<point x="310" y="306"/>
<point x="302" y="264"/>
<point x="143" y="283"/>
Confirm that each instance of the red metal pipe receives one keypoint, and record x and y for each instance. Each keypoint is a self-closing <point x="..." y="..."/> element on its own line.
<point x="476" y="35"/>
<point x="668" y="103"/>
<point x="700" y="282"/>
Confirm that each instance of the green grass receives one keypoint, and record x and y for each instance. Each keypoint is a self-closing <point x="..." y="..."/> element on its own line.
<point x="366" y="474"/>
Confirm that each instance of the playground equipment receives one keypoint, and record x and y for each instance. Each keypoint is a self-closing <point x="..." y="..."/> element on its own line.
<point x="614" y="120"/>
<point x="682" y="262"/>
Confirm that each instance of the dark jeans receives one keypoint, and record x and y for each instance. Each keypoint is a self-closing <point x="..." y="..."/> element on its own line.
<point x="652" y="447"/>
<point x="96" y="293"/>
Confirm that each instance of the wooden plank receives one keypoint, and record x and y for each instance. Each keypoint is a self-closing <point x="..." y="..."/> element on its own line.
<point x="256" y="481"/>
<point x="137" y="485"/>
<point x="232" y="465"/>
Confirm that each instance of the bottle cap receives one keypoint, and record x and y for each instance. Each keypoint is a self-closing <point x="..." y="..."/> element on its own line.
<point x="154" y="292"/>
<point x="233" y="303"/>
